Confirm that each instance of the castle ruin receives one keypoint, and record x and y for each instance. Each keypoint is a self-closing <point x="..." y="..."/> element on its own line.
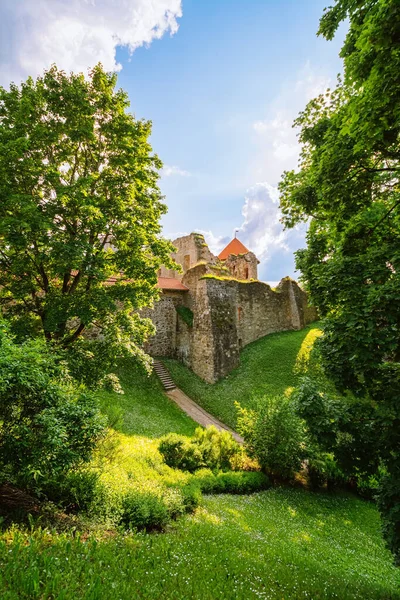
<point x="208" y="312"/>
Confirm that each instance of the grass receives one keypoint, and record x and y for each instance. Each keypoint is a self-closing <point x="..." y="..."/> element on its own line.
<point x="268" y="366"/>
<point x="280" y="544"/>
<point x="143" y="409"/>
<point x="283" y="543"/>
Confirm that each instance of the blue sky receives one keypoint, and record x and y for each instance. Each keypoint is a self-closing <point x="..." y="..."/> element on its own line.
<point x="221" y="81"/>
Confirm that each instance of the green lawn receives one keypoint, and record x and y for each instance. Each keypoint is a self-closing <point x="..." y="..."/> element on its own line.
<point x="267" y="367"/>
<point x="144" y="409"/>
<point x="280" y="544"/>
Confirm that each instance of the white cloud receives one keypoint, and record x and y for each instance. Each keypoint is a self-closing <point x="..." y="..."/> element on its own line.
<point x="277" y="145"/>
<point x="168" y="171"/>
<point x="261" y="230"/>
<point x="77" y="34"/>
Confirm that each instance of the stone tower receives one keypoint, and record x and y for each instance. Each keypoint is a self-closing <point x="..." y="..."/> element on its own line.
<point x="240" y="262"/>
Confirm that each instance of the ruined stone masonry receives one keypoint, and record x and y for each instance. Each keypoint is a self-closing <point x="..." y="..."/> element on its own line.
<point x="213" y="308"/>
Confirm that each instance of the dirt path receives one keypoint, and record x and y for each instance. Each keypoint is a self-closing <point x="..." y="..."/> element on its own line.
<point x="198" y="414"/>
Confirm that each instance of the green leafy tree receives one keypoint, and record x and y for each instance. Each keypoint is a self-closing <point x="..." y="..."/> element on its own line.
<point x="348" y="188"/>
<point x="275" y="435"/>
<point x="79" y="211"/>
<point x="48" y="425"/>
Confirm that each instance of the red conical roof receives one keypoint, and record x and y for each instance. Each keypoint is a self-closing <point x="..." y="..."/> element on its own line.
<point x="234" y="247"/>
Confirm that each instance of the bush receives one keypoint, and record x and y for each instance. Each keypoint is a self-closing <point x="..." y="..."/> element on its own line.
<point x="231" y="482"/>
<point x="144" y="510"/>
<point x="388" y="500"/>
<point x="179" y="452"/>
<point x="191" y="494"/>
<point x="76" y="491"/>
<point x="111" y="383"/>
<point x="48" y="425"/>
<point x="322" y="469"/>
<point x="218" y="448"/>
<point x="208" y="448"/>
<point x="274" y="435"/>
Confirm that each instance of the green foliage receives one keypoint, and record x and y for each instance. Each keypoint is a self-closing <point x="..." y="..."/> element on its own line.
<point x="348" y="186"/>
<point x="186" y="314"/>
<point x="111" y="383"/>
<point x="180" y="453"/>
<point x="47" y="426"/>
<point x="389" y="506"/>
<point x="144" y="510"/>
<point x="231" y="482"/>
<point x="274" y="435"/>
<point x="79" y="203"/>
<point x="282" y="543"/>
<point x="207" y="448"/>
<point x="76" y="491"/>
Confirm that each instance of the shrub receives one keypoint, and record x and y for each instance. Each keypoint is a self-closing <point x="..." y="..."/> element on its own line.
<point x="388" y="501"/>
<point x="191" y="495"/>
<point x="49" y="426"/>
<point x="231" y="482"/>
<point x="154" y="508"/>
<point x="111" y="383"/>
<point x="208" y="448"/>
<point x="179" y="452"/>
<point x="144" y="510"/>
<point x="218" y="448"/>
<point x="76" y="491"/>
<point x="323" y="469"/>
<point x="274" y="435"/>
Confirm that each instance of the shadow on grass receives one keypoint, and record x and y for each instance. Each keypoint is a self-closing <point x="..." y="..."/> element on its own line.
<point x="268" y="366"/>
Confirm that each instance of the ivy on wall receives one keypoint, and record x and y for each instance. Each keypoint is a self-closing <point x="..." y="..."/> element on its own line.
<point x="186" y="314"/>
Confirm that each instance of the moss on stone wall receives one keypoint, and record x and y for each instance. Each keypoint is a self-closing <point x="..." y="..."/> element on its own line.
<point x="185" y="314"/>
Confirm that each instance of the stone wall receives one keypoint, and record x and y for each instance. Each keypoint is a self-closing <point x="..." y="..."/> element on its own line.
<point x="242" y="266"/>
<point x="190" y="250"/>
<point x="232" y="314"/>
<point x="228" y="315"/>
<point x="164" y="317"/>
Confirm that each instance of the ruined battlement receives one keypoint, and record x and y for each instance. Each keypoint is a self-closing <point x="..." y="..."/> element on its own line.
<point x="229" y="307"/>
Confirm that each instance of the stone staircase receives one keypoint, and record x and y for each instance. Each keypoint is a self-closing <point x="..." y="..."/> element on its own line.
<point x="163" y="375"/>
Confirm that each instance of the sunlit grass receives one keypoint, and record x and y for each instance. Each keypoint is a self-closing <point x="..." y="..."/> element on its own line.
<point x="270" y="366"/>
<point x="283" y="543"/>
<point x="279" y="544"/>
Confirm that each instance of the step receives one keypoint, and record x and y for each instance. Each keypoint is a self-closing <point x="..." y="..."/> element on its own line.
<point x="163" y="376"/>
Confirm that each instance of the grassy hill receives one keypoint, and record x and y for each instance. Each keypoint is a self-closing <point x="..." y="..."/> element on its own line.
<point x="268" y="366"/>
<point x="282" y="543"/>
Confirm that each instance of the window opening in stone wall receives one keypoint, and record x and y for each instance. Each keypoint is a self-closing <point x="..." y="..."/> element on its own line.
<point x="186" y="262"/>
<point x="240" y="313"/>
<point x="246" y="273"/>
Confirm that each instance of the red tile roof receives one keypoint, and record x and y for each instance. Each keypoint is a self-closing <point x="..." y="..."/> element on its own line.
<point x="234" y="247"/>
<point x="164" y="283"/>
<point x="169" y="283"/>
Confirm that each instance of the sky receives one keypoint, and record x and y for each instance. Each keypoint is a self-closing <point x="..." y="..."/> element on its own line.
<point x="221" y="81"/>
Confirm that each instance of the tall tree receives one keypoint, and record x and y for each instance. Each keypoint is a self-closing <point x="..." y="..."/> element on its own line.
<point x="79" y="204"/>
<point x="348" y="188"/>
